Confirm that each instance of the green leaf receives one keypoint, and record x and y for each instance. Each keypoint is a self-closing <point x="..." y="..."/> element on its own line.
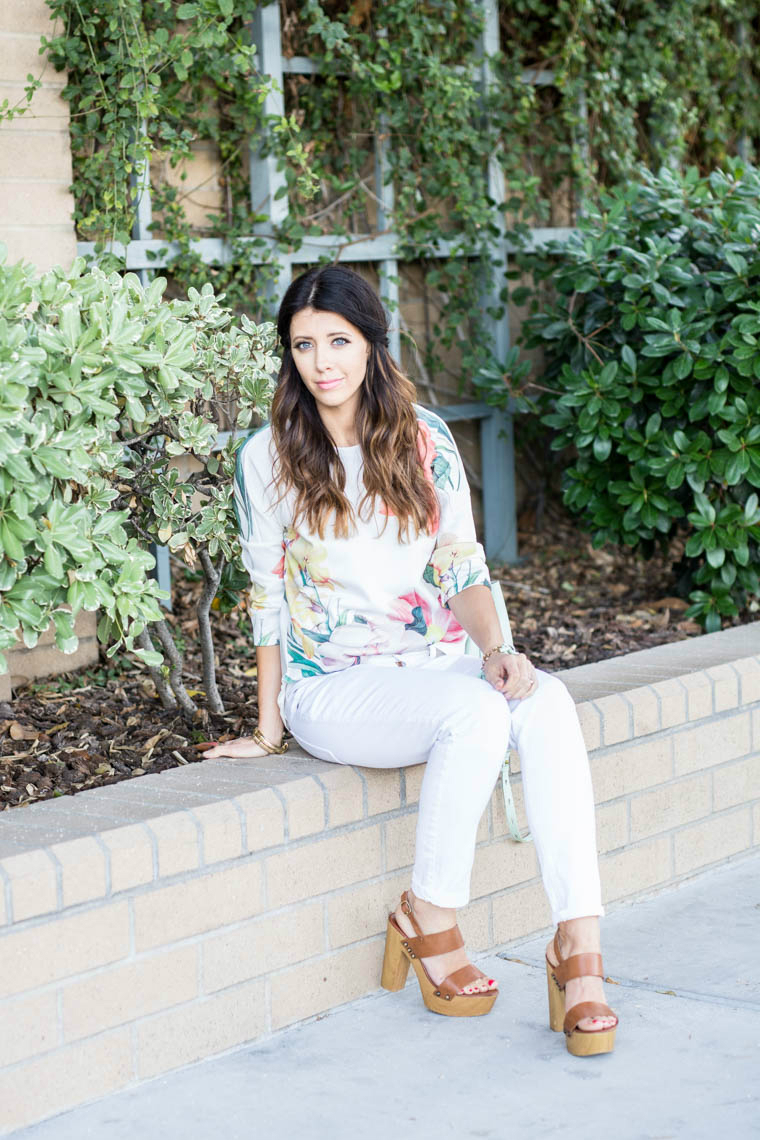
<point x="682" y="366"/>
<point x="629" y="357"/>
<point x="712" y="622"/>
<point x="675" y="476"/>
<point x="704" y="506"/>
<point x="602" y="449"/>
<point x="9" y="544"/>
<point x="23" y="528"/>
<point x="65" y="638"/>
<point x="58" y="463"/>
<point x="53" y="562"/>
<point x="27" y="611"/>
<point x="737" y="262"/>
<point x="149" y="657"/>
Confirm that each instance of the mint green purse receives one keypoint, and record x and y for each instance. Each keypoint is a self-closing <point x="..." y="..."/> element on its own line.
<point x="506" y="787"/>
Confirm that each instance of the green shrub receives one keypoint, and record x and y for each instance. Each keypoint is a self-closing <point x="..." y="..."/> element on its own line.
<point x="652" y="343"/>
<point x="102" y="384"/>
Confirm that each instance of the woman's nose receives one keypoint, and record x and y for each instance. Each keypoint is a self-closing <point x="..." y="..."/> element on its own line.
<point x="322" y="359"/>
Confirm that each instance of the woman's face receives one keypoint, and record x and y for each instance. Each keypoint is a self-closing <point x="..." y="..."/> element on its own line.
<point x="331" y="357"/>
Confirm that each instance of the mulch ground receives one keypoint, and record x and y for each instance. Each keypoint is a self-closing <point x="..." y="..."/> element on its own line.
<point x="568" y="605"/>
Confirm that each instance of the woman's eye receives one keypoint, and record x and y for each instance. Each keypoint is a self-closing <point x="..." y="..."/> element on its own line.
<point x="340" y="340"/>
<point x="302" y="345"/>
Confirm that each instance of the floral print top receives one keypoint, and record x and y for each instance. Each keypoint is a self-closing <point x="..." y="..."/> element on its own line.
<point x="332" y="602"/>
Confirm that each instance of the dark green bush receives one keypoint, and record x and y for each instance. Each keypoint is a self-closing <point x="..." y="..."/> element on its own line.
<point x="652" y="341"/>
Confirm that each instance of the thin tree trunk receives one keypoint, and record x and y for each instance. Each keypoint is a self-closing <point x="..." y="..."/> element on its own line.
<point x="164" y="635"/>
<point x="168" y="700"/>
<point x="211" y="580"/>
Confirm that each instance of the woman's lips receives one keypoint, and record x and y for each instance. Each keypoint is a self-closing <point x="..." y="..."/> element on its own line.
<point x="325" y="384"/>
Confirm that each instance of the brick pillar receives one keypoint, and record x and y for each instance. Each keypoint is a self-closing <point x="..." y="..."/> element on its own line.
<point x="36" y="205"/>
<point x="36" y="211"/>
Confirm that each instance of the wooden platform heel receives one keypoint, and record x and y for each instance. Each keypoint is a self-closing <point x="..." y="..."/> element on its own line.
<point x="580" y="1042"/>
<point x="403" y="951"/>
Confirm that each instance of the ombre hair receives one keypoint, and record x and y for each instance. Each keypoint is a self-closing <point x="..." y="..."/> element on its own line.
<point x="308" y="461"/>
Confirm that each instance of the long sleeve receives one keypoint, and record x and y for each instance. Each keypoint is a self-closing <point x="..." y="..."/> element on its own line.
<point x="458" y="560"/>
<point x="261" y="539"/>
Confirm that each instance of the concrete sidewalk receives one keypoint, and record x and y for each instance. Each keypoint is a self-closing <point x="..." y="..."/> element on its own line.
<point x="687" y="1062"/>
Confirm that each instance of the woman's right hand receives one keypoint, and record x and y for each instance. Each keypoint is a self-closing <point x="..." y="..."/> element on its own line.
<point x="244" y="748"/>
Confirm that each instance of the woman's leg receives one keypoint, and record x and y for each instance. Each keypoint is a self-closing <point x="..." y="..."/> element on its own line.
<point x="559" y="803"/>
<point x="559" y="800"/>
<point x="387" y="717"/>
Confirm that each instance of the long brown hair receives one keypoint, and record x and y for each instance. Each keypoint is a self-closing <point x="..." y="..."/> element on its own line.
<point x="386" y="422"/>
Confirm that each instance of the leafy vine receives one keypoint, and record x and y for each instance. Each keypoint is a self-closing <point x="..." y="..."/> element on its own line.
<point x="617" y="84"/>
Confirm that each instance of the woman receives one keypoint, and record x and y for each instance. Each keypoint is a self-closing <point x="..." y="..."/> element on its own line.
<point x="357" y="531"/>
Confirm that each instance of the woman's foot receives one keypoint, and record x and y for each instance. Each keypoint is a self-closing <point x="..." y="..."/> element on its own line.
<point x="432" y="920"/>
<point x="581" y="936"/>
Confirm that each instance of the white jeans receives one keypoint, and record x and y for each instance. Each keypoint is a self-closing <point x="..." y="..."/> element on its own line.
<point x="440" y="710"/>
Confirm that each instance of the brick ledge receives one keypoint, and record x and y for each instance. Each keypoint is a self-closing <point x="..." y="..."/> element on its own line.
<point x="74" y="849"/>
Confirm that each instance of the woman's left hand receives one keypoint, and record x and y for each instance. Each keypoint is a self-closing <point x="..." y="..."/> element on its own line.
<point x="512" y="674"/>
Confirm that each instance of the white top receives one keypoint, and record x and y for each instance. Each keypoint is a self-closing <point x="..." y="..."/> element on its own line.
<point x="333" y="602"/>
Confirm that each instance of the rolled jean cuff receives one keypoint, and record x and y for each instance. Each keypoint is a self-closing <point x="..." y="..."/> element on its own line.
<point x="449" y="899"/>
<point x="568" y="913"/>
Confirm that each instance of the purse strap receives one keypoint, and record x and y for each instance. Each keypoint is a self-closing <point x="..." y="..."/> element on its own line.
<point x="509" y="806"/>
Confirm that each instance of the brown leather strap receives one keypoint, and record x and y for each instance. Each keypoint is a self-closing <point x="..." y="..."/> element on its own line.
<point x="456" y="981"/>
<point x="406" y="906"/>
<point x="426" y="945"/>
<point x="578" y="966"/>
<point x="586" y="1009"/>
<point x="429" y="944"/>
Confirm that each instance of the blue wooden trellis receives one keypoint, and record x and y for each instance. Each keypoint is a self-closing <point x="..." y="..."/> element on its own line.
<point x="268" y="195"/>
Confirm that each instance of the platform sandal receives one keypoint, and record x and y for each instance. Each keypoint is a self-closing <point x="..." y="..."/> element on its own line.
<point x="580" y="1042"/>
<point x="403" y="951"/>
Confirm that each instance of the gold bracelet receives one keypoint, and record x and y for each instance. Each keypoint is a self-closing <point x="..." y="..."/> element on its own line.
<point x="499" y="649"/>
<point x="272" y="749"/>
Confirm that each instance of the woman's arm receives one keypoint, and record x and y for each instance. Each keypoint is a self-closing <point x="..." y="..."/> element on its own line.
<point x="262" y="552"/>
<point x="269" y="676"/>
<point x="510" y="673"/>
<point x="269" y="673"/>
<point x="475" y="611"/>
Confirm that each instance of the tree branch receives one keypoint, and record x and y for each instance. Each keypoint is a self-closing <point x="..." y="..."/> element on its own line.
<point x="168" y="700"/>
<point x="168" y="644"/>
<point x="211" y="580"/>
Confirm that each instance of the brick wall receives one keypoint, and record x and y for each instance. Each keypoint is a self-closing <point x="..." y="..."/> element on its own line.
<point x="35" y="159"/>
<point x="151" y="923"/>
